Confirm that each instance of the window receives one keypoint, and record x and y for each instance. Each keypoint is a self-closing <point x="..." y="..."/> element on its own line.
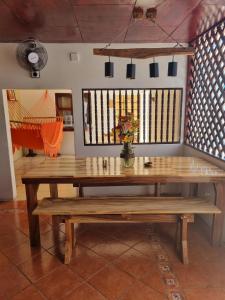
<point x="64" y="108"/>
<point x="205" y="106"/>
<point x="158" y="112"/>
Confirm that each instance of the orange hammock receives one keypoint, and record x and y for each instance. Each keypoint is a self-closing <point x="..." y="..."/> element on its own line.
<point x="45" y="136"/>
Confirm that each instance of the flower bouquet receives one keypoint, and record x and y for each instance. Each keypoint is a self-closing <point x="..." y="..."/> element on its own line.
<point x="126" y="130"/>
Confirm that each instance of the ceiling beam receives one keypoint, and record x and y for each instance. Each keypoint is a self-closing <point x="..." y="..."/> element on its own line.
<point x="142" y="53"/>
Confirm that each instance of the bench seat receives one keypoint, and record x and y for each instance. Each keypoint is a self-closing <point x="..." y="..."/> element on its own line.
<point x="124" y="205"/>
<point x="125" y="209"/>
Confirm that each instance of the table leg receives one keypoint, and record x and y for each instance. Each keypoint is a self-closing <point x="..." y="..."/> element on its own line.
<point x="193" y="190"/>
<point x="53" y="190"/>
<point x="34" y="230"/>
<point x="218" y="219"/>
<point x="157" y="189"/>
<point x="80" y="191"/>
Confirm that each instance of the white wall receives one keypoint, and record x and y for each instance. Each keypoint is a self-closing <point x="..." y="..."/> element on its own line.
<point x="60" y="73"/>
<point x="7" y="177"/>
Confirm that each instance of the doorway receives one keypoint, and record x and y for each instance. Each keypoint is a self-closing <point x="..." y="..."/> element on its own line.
<point x="30" y="113"/>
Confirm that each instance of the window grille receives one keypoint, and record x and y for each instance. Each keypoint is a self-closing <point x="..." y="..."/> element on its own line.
<point x="158" y="112"/>
<point x="205" y="105"/>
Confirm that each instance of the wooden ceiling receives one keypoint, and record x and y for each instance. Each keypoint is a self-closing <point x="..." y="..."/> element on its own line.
<point x="100" y="21"/>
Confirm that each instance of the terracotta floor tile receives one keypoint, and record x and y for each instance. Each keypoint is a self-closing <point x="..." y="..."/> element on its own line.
<point x="30" y="293"/>
<point x="139" y="291"/>
<point x="11" y="204"/>
<point x="128" y="234"/>
<point x="111" y="282"/>
<point x="215" y="272"/>
<point x="154" y="279"/>
<point x="4" y="262"/>
<point x="110" y="249"/>
<point x="48" y="240"/>
<point x="58" y="283"/>
<point x="11" y="281"/>
<point x="86" y="262"/>
<point x="145" y="247"/>
<point x="134" y="263"/>
<point x="203" y="252"/>
<point x="6" y="229"/>
<point x="85" y="292"/>
<point x="106" y="262"/>
<point x="21" y="253"/>
<point x="58" y="251"/>
<point x="44" y="226"/>
<point x="190" y="276"/>
<point x="12" y="239"/>
<point x="91" y="237"/>
<point x="205" y="294"/>
<point x="130" y="238"/>
<point x="171" y="251"/>
<point x="39" y="266"/>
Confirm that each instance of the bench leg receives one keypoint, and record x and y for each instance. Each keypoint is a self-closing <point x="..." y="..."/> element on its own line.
<point x="178" y="236"/>
<point x="184" y="244"/>
<point x="69" y="229"/>
<point x="74" y="227"/>
<point x="55" y="227"/>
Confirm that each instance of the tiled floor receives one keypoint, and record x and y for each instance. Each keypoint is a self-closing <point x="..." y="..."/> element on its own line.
<point x="114" y="261"/>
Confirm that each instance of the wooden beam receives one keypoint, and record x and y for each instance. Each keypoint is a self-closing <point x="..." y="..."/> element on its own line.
<point x="142" y="53"/>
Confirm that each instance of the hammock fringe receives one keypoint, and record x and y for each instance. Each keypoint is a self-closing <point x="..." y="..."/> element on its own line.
<point x="38" y="133"/>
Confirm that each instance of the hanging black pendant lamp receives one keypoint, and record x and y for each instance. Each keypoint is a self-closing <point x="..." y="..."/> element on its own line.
<point x="109" y="69"/>
<point x="154" y="69"/>
<point x="131" y="70"/>
<point x="172" y="68"/>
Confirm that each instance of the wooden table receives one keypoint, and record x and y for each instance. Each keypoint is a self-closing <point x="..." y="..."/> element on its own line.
<point x="89" y="171"/>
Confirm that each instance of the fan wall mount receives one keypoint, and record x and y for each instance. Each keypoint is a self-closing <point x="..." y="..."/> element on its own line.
<point x="32" y="56"/>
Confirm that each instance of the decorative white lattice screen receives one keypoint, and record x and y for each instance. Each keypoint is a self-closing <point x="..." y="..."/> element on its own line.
<point x="205" y="106"/>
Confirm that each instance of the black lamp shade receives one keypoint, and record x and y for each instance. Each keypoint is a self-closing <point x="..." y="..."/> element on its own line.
<point x="109" y="69"/>
<point x="154" y="70"/>
<point x="172" y="68"/>
<point x="131" y="71"/>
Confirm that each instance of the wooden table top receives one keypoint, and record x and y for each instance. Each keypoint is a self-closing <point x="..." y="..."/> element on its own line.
<point x="89" y="170"/>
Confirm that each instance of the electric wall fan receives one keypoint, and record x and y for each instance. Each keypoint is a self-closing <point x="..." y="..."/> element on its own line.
<point x="32" y="56"/>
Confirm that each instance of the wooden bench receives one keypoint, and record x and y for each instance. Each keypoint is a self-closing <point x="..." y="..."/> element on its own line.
<point x="126" y="209"/>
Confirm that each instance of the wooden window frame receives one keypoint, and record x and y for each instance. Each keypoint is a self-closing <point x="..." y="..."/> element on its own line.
<point x="90" y="107"/>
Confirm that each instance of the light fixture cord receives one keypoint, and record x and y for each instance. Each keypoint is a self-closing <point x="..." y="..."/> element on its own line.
<point x="120" y="33"/>
<point x="168" y="35"/>
<point x="130" y="23"/>
<point x="134" y="21"/>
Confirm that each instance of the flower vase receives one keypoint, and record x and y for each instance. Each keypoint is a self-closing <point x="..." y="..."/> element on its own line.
<point x="127" y="155"/>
